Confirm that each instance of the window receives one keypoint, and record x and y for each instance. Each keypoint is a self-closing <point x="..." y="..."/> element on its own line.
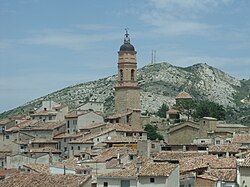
<point x="68" y="123"/>
<point x="132" y="74"/>
<point x="105" y="184"/>
<point x="7" y="136"/>
<point x="78" y="147"/>
<point x="125" y="183"/>
<point x="217" y="142"/>
<point x="152" y="180"/>
<point x="121" y="74"/>
<point x="131" y="157"/>
<point x="74" y="122"/>
<point x="64" y="139"/>
<point x="129" y="134"/>
<point x="65" y="148"/>
<point x="202" y="141"/>
<point x="98" y="139"/>
<point x="50" y="117"/>
<point x="72" y="148"/>
<point x="153" y="146"/>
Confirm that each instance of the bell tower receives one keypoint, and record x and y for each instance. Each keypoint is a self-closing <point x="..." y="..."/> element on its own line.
<point x="127" y="92"/>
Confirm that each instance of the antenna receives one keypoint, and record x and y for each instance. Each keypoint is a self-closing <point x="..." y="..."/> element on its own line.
<point x="154" y="56"/>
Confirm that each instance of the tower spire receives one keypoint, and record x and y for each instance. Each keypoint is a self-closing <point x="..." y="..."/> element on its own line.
<point x="126" y="38"/>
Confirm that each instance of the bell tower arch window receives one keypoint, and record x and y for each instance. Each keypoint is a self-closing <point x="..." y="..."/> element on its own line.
<point x="121" y="74"/>
<point x="132" y="74"/>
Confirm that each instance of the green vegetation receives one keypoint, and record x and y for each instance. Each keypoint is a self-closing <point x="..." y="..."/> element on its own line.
<point x="209" y="109"/>
<point x="200" y="109"/>
<point x="152" y="132"/>
<point x="162" y="111"/>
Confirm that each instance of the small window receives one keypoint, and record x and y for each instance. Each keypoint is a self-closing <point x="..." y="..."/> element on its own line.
<point x="78" y="147"/>
<point x="202" y="141"/>
<point x="50" y="117"/>
<point x="132" y="74"/>
<point x="68" y="123"/>
<point x="153" y="146"/>
<point x="64" y="139"/>
<point x="217" y="142"/>
<point x="72" y="148"/>
<point x="105" y="184"/>
<point x="121" y="74"/>
<point x="65" y="148"/>
<point x="7" y="136"/>
<point x="98" y="139"/>
<point x="152" y="180"/>
<point x="131" y="157"/>
<point x="74" y="122"/>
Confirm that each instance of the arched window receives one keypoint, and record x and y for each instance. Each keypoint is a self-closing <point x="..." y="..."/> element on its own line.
<point x="121" y="74"/>
<point x="132" y="74"/>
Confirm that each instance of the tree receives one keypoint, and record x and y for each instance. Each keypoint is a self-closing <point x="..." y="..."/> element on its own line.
<point x="209" y="109"/>
<point x="186" y="107"/>
<point x="162" y="111"/>
<point x="152" y="132"/>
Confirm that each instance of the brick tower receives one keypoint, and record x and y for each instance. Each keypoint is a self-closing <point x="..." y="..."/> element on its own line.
<point x="127" y="92"/>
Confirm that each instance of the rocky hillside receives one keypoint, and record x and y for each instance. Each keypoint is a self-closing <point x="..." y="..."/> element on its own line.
<point x="159" y="83"/>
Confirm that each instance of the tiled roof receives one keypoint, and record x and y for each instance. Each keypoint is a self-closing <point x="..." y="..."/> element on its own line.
<point x="231" y="126"/>
<point x="44" y="126"/>
<point x="184" y="124"/>
<point x="223" y="148"/>
<point x="66" y="135"/>
<point x="246" y="162"/>
<point x="241" y="138"/>
<point x="109" y="153"/>
<point x="39" y="168"/>
<point x="119" y="115"/>
<point x="48" y="180"/>
<point x="12" y="129"/>
<point x="173" y="111"/>
<point x="122" y="139"/>
<point x="157" y="169"/>
<point x="43" y="140"/>
<point x="45" y="113"/>
<point x="223" y="174"/>
<point x="176" y="155"/>
<point x="193" y="163"/>
<point x="207" y="177"/>
<point x="45" y="150"/>
<point x="183" y="95"/>
<point x="124" y="128"/>
<point x="25" y="123"/>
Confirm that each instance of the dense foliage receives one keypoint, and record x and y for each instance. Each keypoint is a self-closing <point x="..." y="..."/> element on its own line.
<point x="162" y="111"/>
<point x="152" y="132"/>
<point x="200" y="109"/>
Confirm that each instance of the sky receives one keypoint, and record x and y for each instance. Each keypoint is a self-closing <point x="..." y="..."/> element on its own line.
<point x="47" y="45"/>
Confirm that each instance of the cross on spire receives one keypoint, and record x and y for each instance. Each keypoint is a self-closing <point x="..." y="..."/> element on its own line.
<point x="126" y="38"/>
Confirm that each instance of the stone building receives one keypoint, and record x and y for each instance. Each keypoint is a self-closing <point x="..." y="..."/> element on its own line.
<point x="127" y="91"/>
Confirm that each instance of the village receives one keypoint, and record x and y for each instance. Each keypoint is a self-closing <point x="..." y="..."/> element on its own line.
<point x="55" y="146"/>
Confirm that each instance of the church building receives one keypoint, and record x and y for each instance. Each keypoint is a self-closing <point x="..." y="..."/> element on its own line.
<point x="127" y="91"/>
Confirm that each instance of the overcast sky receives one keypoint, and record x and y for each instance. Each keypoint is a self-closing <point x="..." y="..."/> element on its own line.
<point x="46" y="45"/>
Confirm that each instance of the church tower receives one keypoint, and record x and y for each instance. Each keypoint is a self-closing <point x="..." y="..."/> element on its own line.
<point x="127" y="92"/>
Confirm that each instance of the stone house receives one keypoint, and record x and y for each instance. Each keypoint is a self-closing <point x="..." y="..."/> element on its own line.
<point x="244" y="172"/>
<point x="142" y="175"/>
<point x="77" y="121"/>
<point x="91" y="106"/>
<point x="45" y="130"/>
<point x="50" y="111"/>
<point x="63" y="140"/>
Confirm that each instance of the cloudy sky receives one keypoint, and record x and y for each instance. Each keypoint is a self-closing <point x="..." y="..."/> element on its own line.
<point x="46" y="45"/>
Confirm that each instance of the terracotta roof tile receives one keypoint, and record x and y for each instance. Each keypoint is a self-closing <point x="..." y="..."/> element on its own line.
<point x="183" y="95"/>
<point x="176" y="155"/>
<point x="48" y="180"/>
<point x="241" y="138"/>
<point x="223" y="148"/>
<point x="43" y="126"/>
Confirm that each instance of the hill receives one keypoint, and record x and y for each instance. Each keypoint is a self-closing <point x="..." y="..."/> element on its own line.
<point x="159" y="83"/>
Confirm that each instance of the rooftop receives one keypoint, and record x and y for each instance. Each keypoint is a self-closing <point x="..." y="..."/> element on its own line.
<point x="42" y="179"/>
<point x="223" y="148"/>
<point x="43" y="126"/>
<point x="183" y="95"/>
